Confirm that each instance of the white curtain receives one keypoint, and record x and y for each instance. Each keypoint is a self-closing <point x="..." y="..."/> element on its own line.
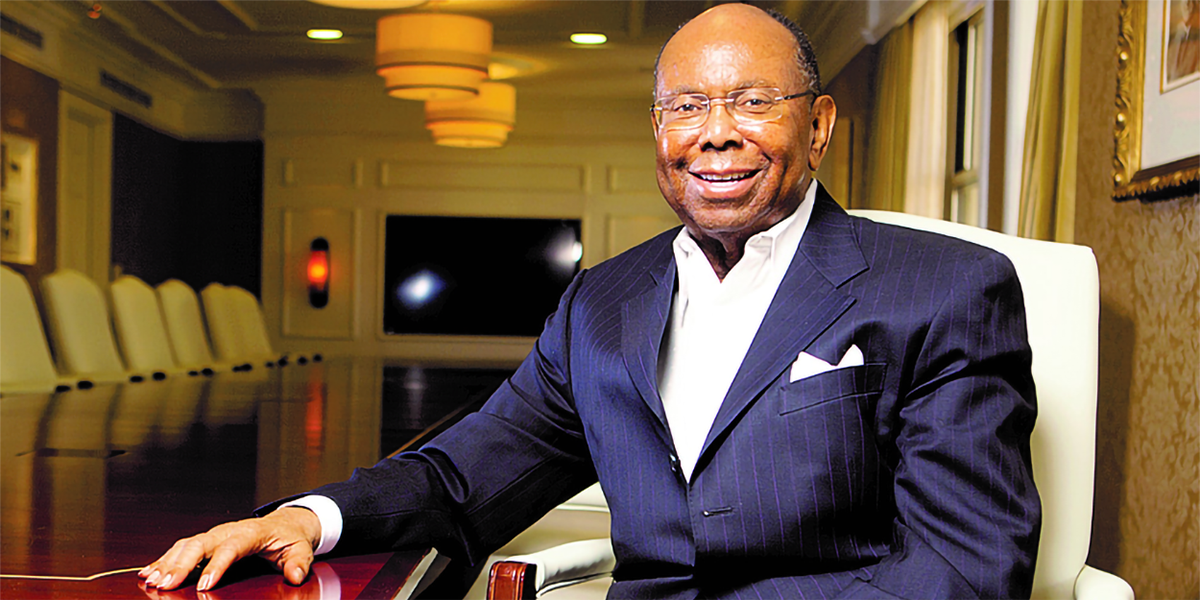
<point x="888" y="150"/>
<point x="1048" y="168"/>
<point x="925" y="180"/>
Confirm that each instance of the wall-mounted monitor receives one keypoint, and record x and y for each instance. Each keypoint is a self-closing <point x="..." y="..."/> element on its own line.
<point x="476" y="275"/>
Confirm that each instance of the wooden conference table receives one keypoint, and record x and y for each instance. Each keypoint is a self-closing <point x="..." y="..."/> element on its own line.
<point x="104" y="480"/>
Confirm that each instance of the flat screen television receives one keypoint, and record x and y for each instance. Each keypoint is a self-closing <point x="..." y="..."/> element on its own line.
<point x="476" y="275"/>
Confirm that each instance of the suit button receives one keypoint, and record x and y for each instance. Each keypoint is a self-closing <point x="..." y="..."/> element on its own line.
<point x="675" y="465"/>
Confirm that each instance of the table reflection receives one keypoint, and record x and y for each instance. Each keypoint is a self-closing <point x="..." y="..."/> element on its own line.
<point x="107" y="478"/>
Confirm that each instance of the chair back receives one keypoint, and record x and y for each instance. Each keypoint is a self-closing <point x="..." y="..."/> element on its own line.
<point x="223" y="323"/>
<point x="1061" y="286"/>
<point x="139" y="325"/>
<point x="25" y="362"/>
<point x="255" y="341"/>
<point x="77" y="314"/>
<point x="185" y="324"/>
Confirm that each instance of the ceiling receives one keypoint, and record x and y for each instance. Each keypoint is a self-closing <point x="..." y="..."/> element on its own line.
<point x="229" y="44"/>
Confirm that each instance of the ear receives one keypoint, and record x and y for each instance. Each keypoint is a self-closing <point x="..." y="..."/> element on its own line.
<point x="824" y="115"/>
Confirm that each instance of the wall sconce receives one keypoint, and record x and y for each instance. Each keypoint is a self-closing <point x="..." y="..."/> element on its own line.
<point x="318" y="273"/>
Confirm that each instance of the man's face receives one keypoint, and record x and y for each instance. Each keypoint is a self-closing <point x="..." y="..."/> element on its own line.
<point x="725" y="179"/>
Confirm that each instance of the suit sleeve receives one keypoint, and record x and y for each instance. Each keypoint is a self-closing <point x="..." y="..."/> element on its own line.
<point x="968" y="515"/>
<point x="474" y="487"/>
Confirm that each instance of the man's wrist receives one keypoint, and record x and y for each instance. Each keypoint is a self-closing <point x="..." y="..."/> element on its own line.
<point x="329" y="519"/>
<point x="303" y="519"/>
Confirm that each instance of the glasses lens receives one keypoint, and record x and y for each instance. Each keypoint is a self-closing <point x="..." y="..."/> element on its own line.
<point x="685" y="110"/>
<point x="756" y="103"/>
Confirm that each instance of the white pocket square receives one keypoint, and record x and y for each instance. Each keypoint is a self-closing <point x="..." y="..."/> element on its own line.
<point x="807" y="365"/>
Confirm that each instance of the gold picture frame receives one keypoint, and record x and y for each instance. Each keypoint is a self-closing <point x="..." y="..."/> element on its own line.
<point x="1130" y="179"/>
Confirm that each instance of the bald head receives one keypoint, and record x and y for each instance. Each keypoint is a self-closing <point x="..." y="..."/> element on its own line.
<point x="733" y="19"/>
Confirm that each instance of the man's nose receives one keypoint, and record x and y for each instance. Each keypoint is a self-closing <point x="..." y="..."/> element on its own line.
<point x="720" y="129"/>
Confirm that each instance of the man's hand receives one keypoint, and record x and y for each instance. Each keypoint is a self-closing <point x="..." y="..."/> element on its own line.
<point x="285" y="537"/>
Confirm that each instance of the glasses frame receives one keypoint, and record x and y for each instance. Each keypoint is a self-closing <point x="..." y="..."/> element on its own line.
<point x="731" y="97"/>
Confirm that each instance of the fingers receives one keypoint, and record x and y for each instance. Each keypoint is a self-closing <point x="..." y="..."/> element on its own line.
<point x="284" y="538"/>
<point x="221" y="546"/>
<point x="296" y="565"/>
<point x="173" y="567"/>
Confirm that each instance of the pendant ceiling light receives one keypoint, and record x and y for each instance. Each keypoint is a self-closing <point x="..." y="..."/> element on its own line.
<point x="425" y="56"/>
<point x="479" y="122"/>
<point x="371" y="4"/>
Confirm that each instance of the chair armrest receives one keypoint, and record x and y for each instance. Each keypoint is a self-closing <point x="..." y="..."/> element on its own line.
<point x="1094" y="584"/>
<point x="521" y="577"/>
<point x="510" y="580"/>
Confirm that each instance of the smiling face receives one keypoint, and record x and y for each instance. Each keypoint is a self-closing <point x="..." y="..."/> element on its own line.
<point x="727" y="180"/>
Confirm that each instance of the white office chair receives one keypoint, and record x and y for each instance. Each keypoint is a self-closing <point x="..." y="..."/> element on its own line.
<point x="77" y="315"/>
<point x="185" y="327"/>
<point x="255" y="341"/>
<point x="223" y="324"/>
<point x="1062" y="306"/>
<point x="141" y="333"/>
<point x="25" y="362"/>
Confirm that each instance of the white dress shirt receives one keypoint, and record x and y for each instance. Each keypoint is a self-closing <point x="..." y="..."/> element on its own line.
<point x="712" y="324"/>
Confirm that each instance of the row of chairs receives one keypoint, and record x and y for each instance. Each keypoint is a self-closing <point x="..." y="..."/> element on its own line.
<point x="159" y="332"/>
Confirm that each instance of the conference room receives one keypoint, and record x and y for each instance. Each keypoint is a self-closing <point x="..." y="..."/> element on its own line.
<point x="250" y="246"/>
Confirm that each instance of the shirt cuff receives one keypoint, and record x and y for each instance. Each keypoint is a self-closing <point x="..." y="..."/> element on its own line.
<point x="328" y="515"/>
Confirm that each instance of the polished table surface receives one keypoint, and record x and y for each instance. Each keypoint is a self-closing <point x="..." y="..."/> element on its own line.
<point x="106" y="479"/>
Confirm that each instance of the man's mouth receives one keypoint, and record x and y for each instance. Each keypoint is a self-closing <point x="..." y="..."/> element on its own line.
<point x="725" y="178"/>
<point x="724" y="185"/>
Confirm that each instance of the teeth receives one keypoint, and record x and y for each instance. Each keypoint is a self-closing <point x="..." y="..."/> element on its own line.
<point x="720" y="178"/>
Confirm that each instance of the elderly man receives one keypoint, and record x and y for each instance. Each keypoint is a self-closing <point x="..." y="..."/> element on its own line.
<point x="778" y="400"/>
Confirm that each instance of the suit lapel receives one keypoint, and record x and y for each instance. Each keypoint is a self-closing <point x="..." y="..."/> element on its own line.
<point x="807" y="303"/>
<point x="643" y="322"/>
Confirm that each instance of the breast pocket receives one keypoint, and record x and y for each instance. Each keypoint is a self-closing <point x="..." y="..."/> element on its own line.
<point x="835" y="384"/>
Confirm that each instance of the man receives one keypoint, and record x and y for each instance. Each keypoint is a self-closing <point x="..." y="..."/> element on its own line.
<point x="779" y="400"/>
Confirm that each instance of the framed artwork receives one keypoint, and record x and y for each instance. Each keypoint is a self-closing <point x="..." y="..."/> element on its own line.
<point x="1157" y="126"/>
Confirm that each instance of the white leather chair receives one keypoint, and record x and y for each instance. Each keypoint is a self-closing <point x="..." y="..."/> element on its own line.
<point x="223" y="324"/>
<point x="77" y="315"/>
<point x="255" y="341"/>
<point x="25" y="362"/>
<point x="141" y="333"/>
<point x="1062" y="305"/>
<point x="185" y="327"/>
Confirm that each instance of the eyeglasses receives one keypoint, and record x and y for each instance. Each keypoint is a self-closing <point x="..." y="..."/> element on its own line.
<point x="750" y="106"/>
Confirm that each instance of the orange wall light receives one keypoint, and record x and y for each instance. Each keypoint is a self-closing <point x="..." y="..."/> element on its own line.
<point x="318" y="273"/>
<point x="432" y="56"/>
<point x="480" y="122"/>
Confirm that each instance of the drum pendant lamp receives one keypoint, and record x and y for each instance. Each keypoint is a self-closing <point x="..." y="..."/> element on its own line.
<point x="480" y="122"/>
<point x="423" y="56"/>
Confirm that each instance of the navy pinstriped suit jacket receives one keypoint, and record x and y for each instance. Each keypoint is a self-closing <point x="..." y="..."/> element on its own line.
<point x="907" y="476"/>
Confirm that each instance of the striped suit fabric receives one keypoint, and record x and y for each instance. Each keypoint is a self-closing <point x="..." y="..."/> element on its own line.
<point x="908" y="476"/>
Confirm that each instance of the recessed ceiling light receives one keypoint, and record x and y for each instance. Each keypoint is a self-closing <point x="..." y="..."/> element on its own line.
<point x="325" y="34"/>
<point x="589" y="39"/>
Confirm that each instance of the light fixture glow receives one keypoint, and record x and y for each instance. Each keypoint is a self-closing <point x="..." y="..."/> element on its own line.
<point x="324" y="34"/>
<point x="428" y="56"/>
<point x="480" y="122"/>
<point x="589" y="39"/>
<point x="371" y="4"/>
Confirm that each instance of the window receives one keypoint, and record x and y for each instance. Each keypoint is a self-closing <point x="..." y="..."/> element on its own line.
<point x="965" y="130"/>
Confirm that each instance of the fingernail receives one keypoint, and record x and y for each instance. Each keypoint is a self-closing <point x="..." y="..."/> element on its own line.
<point x="299" y="573"/>
<point x="204" y="582"/>
<point x="153" y="578"/>
<point x="167" y="581"/>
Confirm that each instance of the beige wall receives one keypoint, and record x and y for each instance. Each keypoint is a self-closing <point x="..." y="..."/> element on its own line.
<point x="340" y="156"/>
<point x="1147" y="486"/>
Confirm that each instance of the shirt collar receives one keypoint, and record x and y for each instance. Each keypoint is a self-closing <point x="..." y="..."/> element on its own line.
<point x="783" y="238"/>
